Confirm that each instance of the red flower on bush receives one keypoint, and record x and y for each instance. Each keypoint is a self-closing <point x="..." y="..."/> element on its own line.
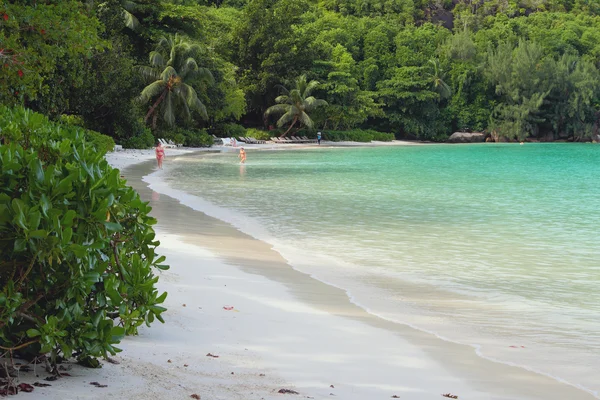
<point x="20" y="73"/>
<point x="42" y="31"/>
<point x="5" y="16"/>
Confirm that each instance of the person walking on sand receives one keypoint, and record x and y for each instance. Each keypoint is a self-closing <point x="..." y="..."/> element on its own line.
<point x="319" y="138"/>
<point x="160" y="154"/>
<point x="242" y="155"/>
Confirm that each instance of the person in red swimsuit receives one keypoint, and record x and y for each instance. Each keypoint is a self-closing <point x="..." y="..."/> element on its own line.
<point x="160" y="154"/>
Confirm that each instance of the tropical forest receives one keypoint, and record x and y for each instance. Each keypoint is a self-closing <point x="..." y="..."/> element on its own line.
<point x="409" y="69"/>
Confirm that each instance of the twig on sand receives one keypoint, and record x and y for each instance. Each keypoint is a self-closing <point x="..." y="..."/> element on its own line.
<point x="287" y="391"/>
<point x="450" y="396"/>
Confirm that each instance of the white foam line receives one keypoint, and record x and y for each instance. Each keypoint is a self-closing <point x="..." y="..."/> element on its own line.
<point x="156" y="183"/>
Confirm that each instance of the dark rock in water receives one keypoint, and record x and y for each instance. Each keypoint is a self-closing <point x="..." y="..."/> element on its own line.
<point x="466" y="137"/>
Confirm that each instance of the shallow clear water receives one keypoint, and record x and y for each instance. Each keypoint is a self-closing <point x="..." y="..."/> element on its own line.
<point x="492" y="245"/>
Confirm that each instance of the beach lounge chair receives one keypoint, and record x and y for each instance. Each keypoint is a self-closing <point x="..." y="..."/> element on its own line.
<point x="165" y="143"/>
<point x="307" y="140"/>
<point x="297" y="139"/>
<point x="227" y="141"/>
<point x="175" y="144"/>
<point x="275" y="140"/>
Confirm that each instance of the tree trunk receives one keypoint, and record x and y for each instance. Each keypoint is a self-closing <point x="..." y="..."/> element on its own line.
<point x="293" y="123"/>
<point x="156" y="103"/>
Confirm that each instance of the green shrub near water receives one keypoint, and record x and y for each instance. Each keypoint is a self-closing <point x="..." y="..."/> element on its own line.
<point x="189" y="137"/>
<point x="234" y="130"/>
<point x="357" y="135"/>
<point x="77" y="248"/>
<point x="141" y="140"/>
<point x="258" y="134"/>
<point x="101" y="142"/>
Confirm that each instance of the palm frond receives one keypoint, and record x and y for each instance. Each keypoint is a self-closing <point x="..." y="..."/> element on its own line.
<point x="285" y="119"/>
<point x="283" y="99"/>
<point x="282" y="89"/>
<point x="301" y="83"/>
<point x="192" y="99"/>
<point x="168" y="112"/>
<point x="128" y="5"/>
<point x="157" y="59"/>
<point x="309" y="88"/>
<point x="277" y="109"/>
<point x="189" y="67"/>
<point x="130" y="20"/>
<point x="151" y="91"/>
<point x="205" y="75"/>
<point x="149" y="73"/>
<point x="312" y="102"/>
<point x="296" y="96"/>
<point x="305" y="119"/>
<point x="167" y="73"/>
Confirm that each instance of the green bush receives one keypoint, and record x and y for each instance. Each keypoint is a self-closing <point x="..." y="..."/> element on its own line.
<point x="78" y="252"/>
<point x="71" y="120"/>
<point x="258" y="134"/>
<point x="357" y="135"/>
<point x="198" y="138"/>
<point x="179" y="138"/>
<point x="382" y="136"/>
<point x="101" y="142"/>
<point x="189" y="137"/>
<point x="234" y="130"/>
<point x="143" y="140"/>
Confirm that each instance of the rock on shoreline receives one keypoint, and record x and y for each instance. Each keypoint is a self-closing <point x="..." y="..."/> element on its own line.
<point x="466" y="137"/>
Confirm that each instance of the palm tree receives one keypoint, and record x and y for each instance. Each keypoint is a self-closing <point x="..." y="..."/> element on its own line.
<point x="295" y="104"/>
<point x="125" y="7"/>
<point x="172" y="64"/>
<point x="436" y="75"/>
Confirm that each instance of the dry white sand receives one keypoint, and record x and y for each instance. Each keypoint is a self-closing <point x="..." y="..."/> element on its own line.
<point x="286" y="330"/>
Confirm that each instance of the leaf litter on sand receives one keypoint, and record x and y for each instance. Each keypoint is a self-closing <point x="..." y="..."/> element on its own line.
<point x="25" y="387"/>
<point x="40" y="384"/>
<point x="212" y="355"/>
<point x="287" y="391"/>
<point x="450" y="396"/>
<point x="98" y="384"/>
<point x="195" y="396"/>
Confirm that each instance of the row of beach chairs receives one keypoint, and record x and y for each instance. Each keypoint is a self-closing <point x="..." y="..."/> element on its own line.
<point x="250" y="140"/>
<point x="293" y="139"/>
<point x="169" y="143"/>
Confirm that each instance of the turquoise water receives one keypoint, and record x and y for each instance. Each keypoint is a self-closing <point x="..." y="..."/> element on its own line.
<point x="492" y="245"/>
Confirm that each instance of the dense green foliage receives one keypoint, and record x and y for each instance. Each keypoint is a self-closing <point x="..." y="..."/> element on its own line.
<point x="77" y="251"/>
<point x="358" y="135"/>
<point x="414" y="68"/>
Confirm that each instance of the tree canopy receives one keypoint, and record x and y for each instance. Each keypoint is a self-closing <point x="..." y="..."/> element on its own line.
<point x="414" y="68"/>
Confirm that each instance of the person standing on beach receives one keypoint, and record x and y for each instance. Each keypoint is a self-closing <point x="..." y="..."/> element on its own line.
<point x="160" y="154"/>
<point x="242" y="155"/>
<point x="319" y="138"/>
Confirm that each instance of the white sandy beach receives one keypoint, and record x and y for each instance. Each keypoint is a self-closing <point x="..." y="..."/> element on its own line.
<point x="286" y="330"/>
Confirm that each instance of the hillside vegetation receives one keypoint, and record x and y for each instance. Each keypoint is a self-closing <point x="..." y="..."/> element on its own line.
<point x="422" y="69"/>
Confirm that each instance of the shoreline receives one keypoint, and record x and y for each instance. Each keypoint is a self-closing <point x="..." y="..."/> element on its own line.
<point x="155" y="183"/>
<point x="285" y="325"/>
